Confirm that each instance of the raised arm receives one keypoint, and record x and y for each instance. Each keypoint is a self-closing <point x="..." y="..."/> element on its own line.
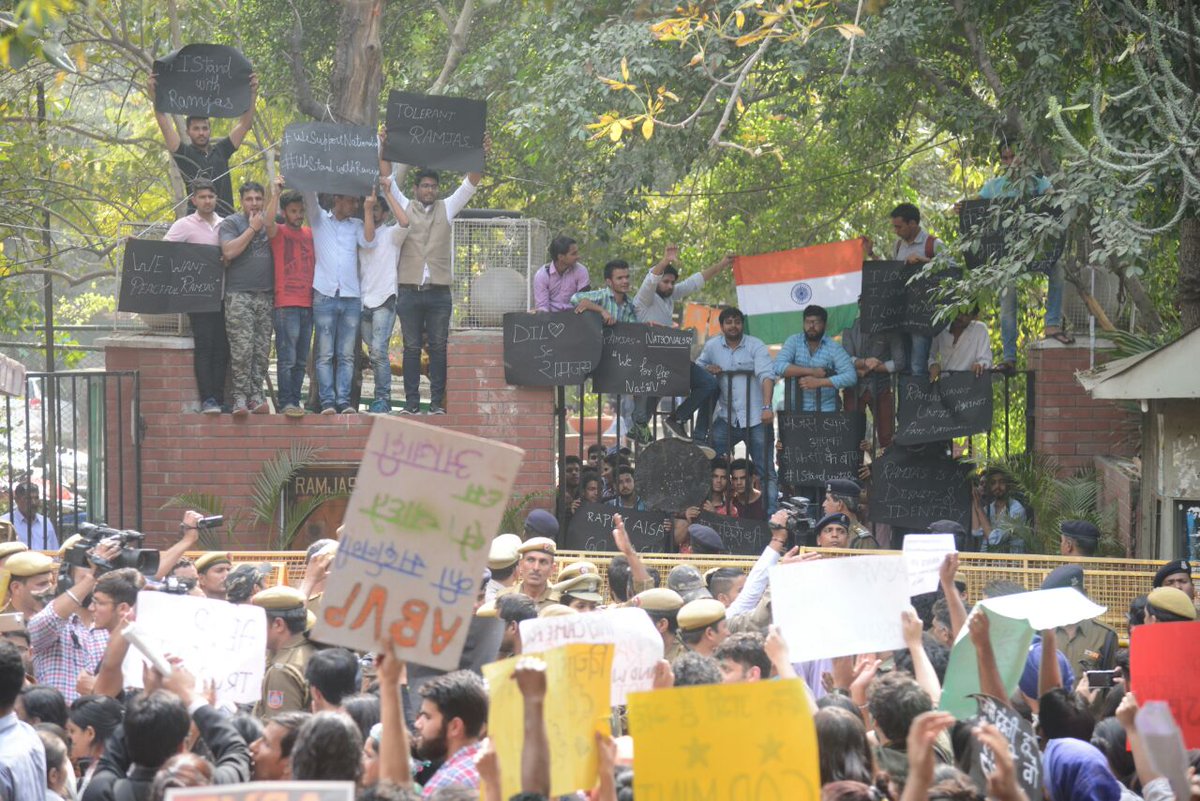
<point x="393" y="748"/>
<point x="246" y="121"/>
<point x="476" y="177"/>
<point x="637" y="570"/>
<point x="385" y="185"/>
<point x="273" y="207"/>
<point x="170" y="557"/>
<point x="710" y="271"/>
<point x="958" y="611"/>
<point x="530" y="676"/>
<point x="990" y="682"/>
<point x="923" y="670"/>
<point x="165" y="124"/>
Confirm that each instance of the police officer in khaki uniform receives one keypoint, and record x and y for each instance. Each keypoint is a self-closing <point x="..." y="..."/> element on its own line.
<point x="581" y="592"/>
<point x="842" y="495"/>
<point x="1089" y="644"/>
<point x="702" y="625"/>
<point x="663" y="605"/>
<point x="26" y="583"/>
<point x="284" y="688"/>
<point x="213" y="568"/>
<point x="537" y="569"/>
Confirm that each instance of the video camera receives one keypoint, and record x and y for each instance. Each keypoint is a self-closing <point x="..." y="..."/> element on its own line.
<point x="800" y="522"/>
<point x="144" y="560"/>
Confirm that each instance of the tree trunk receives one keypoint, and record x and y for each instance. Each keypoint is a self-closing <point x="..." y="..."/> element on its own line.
<point x="357" y="73"/>
<point x="1188" y="292"/>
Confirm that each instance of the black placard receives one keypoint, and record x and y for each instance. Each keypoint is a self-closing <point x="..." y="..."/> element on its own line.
<point x="956" y="405"/>
<point x="819" y="446"/>
<point x="1022" y="743"/>
<point x="203" y="80"/>
<point x="170" y="277"/>
<point x="978" y="219"/>
<point x="673" y="474"/>
<point x="890" y="303"/>
<point x="913" y="488"/>
<point x="590" y="529"/>
<point x="641" y="359"/>
<point x="444" y="133"/>
<point x="551" y="350"/>
<point x="740" y="536"/>
<point x="330" y="157"/>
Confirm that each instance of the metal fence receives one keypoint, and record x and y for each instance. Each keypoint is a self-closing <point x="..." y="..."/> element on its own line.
<point x="493" y="260"/>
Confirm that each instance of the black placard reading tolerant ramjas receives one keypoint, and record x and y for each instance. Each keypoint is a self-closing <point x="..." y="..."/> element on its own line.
<point x="170" y="277"/>
<point x="913" y="488"/>
<point x="444" y="133"/>
<point x="550" y="350"/>
<point x="956" y="405"/>
<point x="891" y="303"/>
<point x="330" y="157"/>
<point x="740" y="536"/>
<point x="590" y="529"/>
<point x="819" y="446"/>
<point x="203" y="80"/>
<point x="641" y="359"/>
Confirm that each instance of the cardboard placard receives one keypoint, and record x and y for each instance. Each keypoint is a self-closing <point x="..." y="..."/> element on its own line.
<point x="331" y="157"/>
<point x="590" y="529"/>
<point x="892" y="301"/>
<point x="203" y="80"/>
<point x="217" y="641"/>
<point x="673" y="474"/>
<point x="435" y="131"/>
<point x="260" y="791"/>
<point x="1162" y="667"/>
<point x="923" y="557"/>
<point x="741" y="536"/>
<point x="427" y="502"/>
<point x="725" y="741"/>
<point x="638" y="645"/>
<point x="819" y="446"/>
<point x="640" y="359"/>
<point x="840" y="607"/>
<point x="170" y="277"/>
<point x="551" y="350"/>
<point x="576" y="707"/>
<point x="915" y="488"/>
<point x="1022" y="742"/>
<point x="956" y="405"/>
<point x="980" y="219"/>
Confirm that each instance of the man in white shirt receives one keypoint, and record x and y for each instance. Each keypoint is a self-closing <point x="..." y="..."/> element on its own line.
<point x="964" y="345"/>
<point x="32" y="528"/>
<point x="377" y="280"/>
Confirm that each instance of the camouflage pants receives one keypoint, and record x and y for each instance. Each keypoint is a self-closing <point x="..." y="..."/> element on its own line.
<point x="248" y="325"/>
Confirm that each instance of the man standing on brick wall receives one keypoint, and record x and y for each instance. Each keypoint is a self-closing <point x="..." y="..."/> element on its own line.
<point x="377" y="271"/>
<point x="249" y="296"/>
<point x="295" y="262"/>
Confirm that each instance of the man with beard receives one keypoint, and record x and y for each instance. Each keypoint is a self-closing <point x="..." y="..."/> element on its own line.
<point x="821" y="364"/>
<point x="655" y="304"/>
<point x="449" y="727"/>
<point x="568" y="487"/>
<point x="212" y="569"/>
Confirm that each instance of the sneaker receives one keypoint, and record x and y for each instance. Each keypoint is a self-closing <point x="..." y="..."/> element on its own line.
<point x="641" y="434"/>
<point x="260" y="406"/>
<point x="408" y="410"/>
<point x="240" y="409"/>
<point x="292" y="410"/>
<point x="708" y="452"/>
<point x="380" y="407"/>
<point x="675" y="428"/>
<point x="327" y="410"/>
<point x="210" y="406"/>
<point x="435" y="409"/>
<point x="347" y="409"/>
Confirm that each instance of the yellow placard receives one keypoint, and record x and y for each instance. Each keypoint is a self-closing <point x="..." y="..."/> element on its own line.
<point x="577" y="679"/>
<point x="735" y="742"/>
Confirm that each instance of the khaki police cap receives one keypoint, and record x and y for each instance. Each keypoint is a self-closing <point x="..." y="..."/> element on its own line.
<point x="280" y="599"/>
<point x="585" y="588"/>
<point x="23" y="564"/>
<point x="1173" y="600"/>
<point x="700" y="613"/>
<point x="211" y="558"/>
<point x="579" y="568"/>
<point x="542" y="544"/>
<point x="658" y="599"/>
<point x="504" y="551"/>
<point x="557" y="610"/>
<point x="7" y="549"/>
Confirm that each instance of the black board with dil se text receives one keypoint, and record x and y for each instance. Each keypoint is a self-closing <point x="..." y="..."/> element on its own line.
<point x="331" y="157"/>
<point x="640" y="359"/>
<point x="550" y="350"/>
<point x="170" y="277"/>
<point x="435" y="131"/>
<point x="913" y="487"/>
<point x="590" y="529"/>
<point x="956" y="405"/>
<point x="203" y="80"/>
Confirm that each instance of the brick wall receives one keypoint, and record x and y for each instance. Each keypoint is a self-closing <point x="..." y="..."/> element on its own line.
<point x="183" y="451"/>
<point x="1119" y="491"/>
<point x="1068" y="424"/>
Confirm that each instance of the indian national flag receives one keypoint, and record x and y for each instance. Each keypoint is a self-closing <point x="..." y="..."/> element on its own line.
<point x="774" y="288"/>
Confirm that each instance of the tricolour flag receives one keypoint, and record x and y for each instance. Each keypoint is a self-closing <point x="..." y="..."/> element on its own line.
<point x="774" y="288"/>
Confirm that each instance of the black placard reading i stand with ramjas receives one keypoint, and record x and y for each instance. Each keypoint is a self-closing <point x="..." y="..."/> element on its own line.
<point x="203" y="80"/>
<point x="330" y="157"/>
<point x="551" y="350"/>
<point x="170" y="277"/>
<point x="443" y="133"/>
<point x="819" y="446"/>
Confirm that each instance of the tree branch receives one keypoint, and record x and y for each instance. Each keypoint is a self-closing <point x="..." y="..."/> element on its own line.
<point x="736" y="92"/>
<point x="72" y="280"/>
<point x="304" y="95"/>
<point x="988" y="68"/>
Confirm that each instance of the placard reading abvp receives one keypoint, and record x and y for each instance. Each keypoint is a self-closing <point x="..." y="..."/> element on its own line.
<point x="641" y="359"/>
<point x="550" y="350"/>
<point x="170" y="277"/>
<point x="203" y="80"/>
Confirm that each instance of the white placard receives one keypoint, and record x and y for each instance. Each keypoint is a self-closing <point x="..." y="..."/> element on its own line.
<point x="839" y="607"/>
<point x="923" y="557"/>
<point x="426" y="504"/>
<point x="1164" y="745"/>
<point x="1046" y="609"/>
<point x="639" y="646"/>
<point x="217" y="641"/>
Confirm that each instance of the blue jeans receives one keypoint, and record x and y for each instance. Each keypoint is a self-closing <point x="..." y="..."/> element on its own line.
<point x="760" y="446"/>
<point x="293" y="338"/>
<point x="919" y="355"/>
<point x="377" y="325"/>
<point x="424" y="319"/>
<point x="703" y="390"/>
<point x="336" y="322"/>
<point x="1008" y="310"/>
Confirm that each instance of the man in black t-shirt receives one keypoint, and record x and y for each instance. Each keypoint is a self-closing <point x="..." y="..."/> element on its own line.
<point x="200" y="157"/>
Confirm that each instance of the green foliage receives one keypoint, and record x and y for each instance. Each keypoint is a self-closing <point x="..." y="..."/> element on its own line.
<point x="209" y="504"/>
<point x="513" y="519"/>
<point x="270" y="482"/>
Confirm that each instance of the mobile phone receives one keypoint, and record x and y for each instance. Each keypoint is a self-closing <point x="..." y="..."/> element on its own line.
<point x="1098" y="679"/>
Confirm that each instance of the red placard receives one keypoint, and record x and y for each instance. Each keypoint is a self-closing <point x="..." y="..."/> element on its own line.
<point x="1163" y="660"/>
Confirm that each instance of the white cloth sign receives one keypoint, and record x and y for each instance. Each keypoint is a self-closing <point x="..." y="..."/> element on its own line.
<point x="839" y="607"/>
<point x="923" y="557"/>
<point x="1046" y="609"/>
<point x="639" y="646"/>
<point x="426" y="504"/>
<point x="217" y="641"/>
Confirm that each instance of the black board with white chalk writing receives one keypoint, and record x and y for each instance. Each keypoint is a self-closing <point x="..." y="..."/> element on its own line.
<point x="1022" y="746"/>
<point x="914" y="487"/>
<point x="745" y="537"/>
<point x="890" y="303"/>
<point x="985" y="226"/>
<point x="330" y="157"/>
<point x="170" y="277"/>
<point x="673" y="474"/>
<point x="443" y="133"/>
<point x="819" y="446"/>
<point x="956" y="405"/>
<point x="590" y="529"/>
<point x="641" y="359"/>
<point x="203" y="80"/>
<point x="551" y="350"/>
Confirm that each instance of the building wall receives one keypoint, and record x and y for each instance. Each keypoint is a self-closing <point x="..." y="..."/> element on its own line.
<point x="183" y="451"/>
<point x="1120" y="496"/>
<point x="1171" y="472"/>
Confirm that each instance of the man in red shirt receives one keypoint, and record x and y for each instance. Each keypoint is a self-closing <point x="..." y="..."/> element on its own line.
<point x="295" y="261"/>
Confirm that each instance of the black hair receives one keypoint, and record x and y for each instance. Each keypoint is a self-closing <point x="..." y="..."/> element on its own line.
<point x="156" y="725"/>
<point x="625" y="469"/>
<point x="334" y="672"/>
<point x="842" y="746"/>
<point x="514" y="607"/>
<point x="747" y="648"/>
<point x="503" y="573"/>
<point x="941" y="612"/>
<point x="722" y="579"/>
<point x="1064" y="714"/>
<point x="588" y="475"/>
<point x="291" y="722"/>
<point x="45" y="703"/>
<point x="1087" y="546"/>
<point x="328" y="747"/>
<point x="251" y="186"/>
<point x="671" y="617"/>
<point x="54" y="742"/>
<point x="200" y="184"/>
<point x="188" y="120"/>
<point x="813" y="310"/>
<point x="939" y="657"/>
<point x="289" y="197"/>
<point x="248" y="726"/>
<point x="1163" y="616"/>
<point x="572" y="459"/>
<point x="184" y="561"/>
<point x="120" y="585"/>
<point x="1109" y="738"/>
<point x="895" y="700"/>
<point x="296" y="619"/>
<point x="363" y="709"/>
<point x="729" y="313"/>
<point x="619" y="576"/>
<point x="560" y="245"/>
<point x="841" y="701"/>
<point x="182" y="770"/>
<point x="719" y="463"/>
<point x="739" y="464"/>
<point x="23" y="489"/>
<point x="613" y="266"/>
<point x="670" y="270"/>
<point x="907" y="212"/>
<point x="459" y="694"/>
<point x="12" y="675"/>
<point x="595" y="446"/>
<point x="1137" y="611"/>
<point x="102" y="713"/>
<point x="427" y="173"/>
<point x="692" y="669"/>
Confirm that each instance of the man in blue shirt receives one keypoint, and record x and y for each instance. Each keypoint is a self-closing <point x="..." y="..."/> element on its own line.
<point x="744" y="413"/>
<point x="820" y="363"/>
